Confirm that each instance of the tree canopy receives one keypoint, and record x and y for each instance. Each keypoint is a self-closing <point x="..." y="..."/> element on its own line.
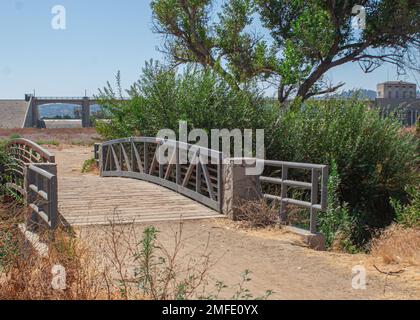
<point x="289" y="44"/>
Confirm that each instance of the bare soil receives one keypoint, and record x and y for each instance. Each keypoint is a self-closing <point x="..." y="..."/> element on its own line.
<point x="277" y="260"/>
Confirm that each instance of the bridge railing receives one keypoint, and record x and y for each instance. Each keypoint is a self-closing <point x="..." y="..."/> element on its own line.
<point x="24" y="152"/>
<point x="189" y="169"/>
<point x="41" y="196"/>
<point x="59" y="98"/>
<point x="317" y="188"/>
<point x="32" y="173"/>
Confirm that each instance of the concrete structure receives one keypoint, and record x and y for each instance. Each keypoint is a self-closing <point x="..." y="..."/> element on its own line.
<point x="25" y="113"/>
<point x="238" y="186"/>
<point x="399" y="96"/>
<point x="13" y="114"/>
<point x="84" y="102"/>
<point x="60" y="124"/>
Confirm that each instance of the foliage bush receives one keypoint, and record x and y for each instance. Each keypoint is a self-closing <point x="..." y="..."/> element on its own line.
<point x="397" y="245"/>
<point x="162" y="98"/>
<point x="408" y="215"/>
<point x="336" y="223"/>
<point x="88" y="165"/>
<point x="375" y="159"/>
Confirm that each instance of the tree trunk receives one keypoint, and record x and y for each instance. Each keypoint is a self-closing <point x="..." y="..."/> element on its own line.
<point x="313" y="78"/>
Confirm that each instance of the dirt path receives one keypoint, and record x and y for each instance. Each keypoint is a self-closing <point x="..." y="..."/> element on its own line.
<point x="278" y="261"/>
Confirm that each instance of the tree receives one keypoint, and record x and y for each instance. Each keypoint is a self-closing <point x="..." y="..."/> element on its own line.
<point x="298" y="43"/>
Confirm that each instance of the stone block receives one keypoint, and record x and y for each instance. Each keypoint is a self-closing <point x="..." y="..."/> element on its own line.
<point x="238" y="186"/>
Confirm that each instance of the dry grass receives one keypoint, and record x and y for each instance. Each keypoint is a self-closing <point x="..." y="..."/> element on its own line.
<point x="28" y="276"/>
<point x="257" y="214"/>
<point x="398" y="245"/>
<point x="145" y="269"/>
<point x="159" y="273"/>
<point x="129" y="266"/>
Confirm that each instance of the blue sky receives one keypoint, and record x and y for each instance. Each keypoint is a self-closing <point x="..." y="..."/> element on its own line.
<point x="102" y="37"/>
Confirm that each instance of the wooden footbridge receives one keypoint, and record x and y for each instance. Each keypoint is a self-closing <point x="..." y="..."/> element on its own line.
<point x="148" y="179"/>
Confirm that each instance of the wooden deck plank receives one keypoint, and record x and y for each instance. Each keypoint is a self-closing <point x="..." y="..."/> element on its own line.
<point x="87" y="199"/>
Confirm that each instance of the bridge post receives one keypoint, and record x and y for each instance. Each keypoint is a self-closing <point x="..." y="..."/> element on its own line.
<point x="238" y="186"/>
<point x="86" y="113"/>
<point x="33" y="221"/>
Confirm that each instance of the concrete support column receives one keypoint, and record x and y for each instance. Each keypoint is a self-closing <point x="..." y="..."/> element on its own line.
<point x="86" y="113"/>
<point x="238" y="186"/>
<point x="34" y="111"/>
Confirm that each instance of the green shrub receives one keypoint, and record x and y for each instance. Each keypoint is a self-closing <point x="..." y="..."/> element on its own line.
<point x="408" y="215"/>
<point x="336" y="223"/>
<point x="375" y="159"/>
<point x="162" y="98"/>
<point x="88" y="165"/>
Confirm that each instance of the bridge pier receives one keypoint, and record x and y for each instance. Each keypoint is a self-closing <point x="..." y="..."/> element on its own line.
<point x="86" y="113"/>
<point x="34" y="113"/>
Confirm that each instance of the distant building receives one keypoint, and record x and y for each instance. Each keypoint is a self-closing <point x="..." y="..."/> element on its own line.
<point x="399" y="96"/>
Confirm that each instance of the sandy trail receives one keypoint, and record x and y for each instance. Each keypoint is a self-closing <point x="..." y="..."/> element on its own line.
<point x="278" y="261"/>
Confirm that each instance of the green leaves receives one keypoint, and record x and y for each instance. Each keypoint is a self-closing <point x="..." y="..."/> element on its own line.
<point x="299" y="40"/>
<point x="408" y="215"/>
<point x="313" y="32"/>
<point x="375" y="159"/>
<point x="161" y="98"/>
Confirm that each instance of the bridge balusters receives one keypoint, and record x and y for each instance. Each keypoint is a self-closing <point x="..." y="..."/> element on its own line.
<point x="192" y="176"/>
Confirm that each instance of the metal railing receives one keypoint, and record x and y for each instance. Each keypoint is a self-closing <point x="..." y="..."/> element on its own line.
<point x="198" y="176"/>
<point x="24" y="152"/>
<point x="96" y="150"/>
<point x="41" y="196"/>
<point x="77" y="98"/>
<point x="62" y="98"/>
<point x="317" y="188"/>
<point x="33" y="174"/>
